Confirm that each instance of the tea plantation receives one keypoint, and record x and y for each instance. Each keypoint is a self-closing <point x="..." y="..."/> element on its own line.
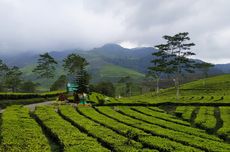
<point x="198" y="121"/>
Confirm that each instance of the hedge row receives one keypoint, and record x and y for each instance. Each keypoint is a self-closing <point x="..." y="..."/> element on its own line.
<point x="186" y="139"/>
<point x="224" y="132"/>
<point x="20" y="132"/>
<point x="68" y="137"/>
<point x="155" y="142"/>
<point x="114" y="141"/>
<point x="205" y="118"/>
<point x="166" y="124"/>
<point x="15" y="96"/>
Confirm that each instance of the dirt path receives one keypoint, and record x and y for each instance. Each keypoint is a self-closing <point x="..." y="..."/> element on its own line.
<point x="32" y="106"/>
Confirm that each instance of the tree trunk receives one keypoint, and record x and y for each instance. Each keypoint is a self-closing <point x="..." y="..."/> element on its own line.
<point x="130" y="91"/>
<point x="157" y="85"/>
<point x="177" y="83"/>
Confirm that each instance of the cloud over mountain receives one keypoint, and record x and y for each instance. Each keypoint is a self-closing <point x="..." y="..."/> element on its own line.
<point x="47" y="25"/>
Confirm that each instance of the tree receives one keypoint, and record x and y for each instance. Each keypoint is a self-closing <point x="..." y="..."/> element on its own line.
<point x="178" y="50"/>
<point x="204" y="67"/>
<point x="128" y="84"/>
<point x="13" y="78"/>
<point x="159" y="64"/>
<point x="3" y="71"/>
<point x="59" y="84"/>
<point x="46" y="66"/>
<point x="106" y="88"/>
<point x="76" y="64"/>
<point x="73" y="63"/>
<point x="28" y="86"/>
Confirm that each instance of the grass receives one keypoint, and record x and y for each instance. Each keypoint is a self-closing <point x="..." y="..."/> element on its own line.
<point x="110" y="70"/>
<point x="217" y="90"/>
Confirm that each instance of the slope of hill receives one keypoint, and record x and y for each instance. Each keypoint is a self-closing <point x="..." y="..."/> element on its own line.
<point x="113" y="71"/>
<point x="137" y="60"/>
<point x="214" y="90"/>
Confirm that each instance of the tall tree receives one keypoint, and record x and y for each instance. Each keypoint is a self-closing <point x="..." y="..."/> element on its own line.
<point x="76" y="64"/>
<point x="28" y="86"/>
<point x="178" y="48"/>
<point x="159" y="64"/>
<point x="128" y="85"/>
<point x="13" y="78"/>
<point x="46" y="66"/>
<point x="3" y="70"/>
<point x="106" y="88"/>
<point x="204" y="67"/>
<point x="59" y="84"/>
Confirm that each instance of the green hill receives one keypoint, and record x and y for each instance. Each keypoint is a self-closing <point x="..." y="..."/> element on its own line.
<point x="215" y="90"/>
<point x="113" y="71"/>
<point x="104" y="72"/>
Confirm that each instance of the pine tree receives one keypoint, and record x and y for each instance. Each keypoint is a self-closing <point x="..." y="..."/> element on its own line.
<point x="13" y="78"/>
<point x="159" y="64"/>
<point x="76" y="64"/>
<point x="3" y="71"/>
<point x="46" y="66"/>
<point x="179" y="53"/>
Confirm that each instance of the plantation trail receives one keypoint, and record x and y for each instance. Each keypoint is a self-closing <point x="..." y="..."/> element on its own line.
<point x="32" y="106"/>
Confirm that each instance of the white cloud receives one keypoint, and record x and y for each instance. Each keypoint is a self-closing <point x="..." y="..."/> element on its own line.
<point x="46" y="25"/>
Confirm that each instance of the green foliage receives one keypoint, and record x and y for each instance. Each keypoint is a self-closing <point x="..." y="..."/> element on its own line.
<point x="159" y="114"/>
<point x="68" y="136"/>
<point x="217" y="90"/>
<point x="76" y="64"/>
<point x="28" y="86"/>
<point x="205" y="118"/>
<point x="9" y="96"/>
<point x="187" y="139"/>
<point x="185" y="112"/>
<point x="21" y="133"/>
<point x="3" y="71"/>
<point x="13" y="78"/>
<point x="178" y="126"/>
<point x="106" y="88"/>
<point x="128" y="85"/>
<point x="173" y="57"/>
<point x="114" y="73"/>
<point x="73" y="63"/>
<point x="46" y="66"/>
<point x="59" y="84"/>
<point x="115" y="141"/>
<point x="131" y="132"/>
<point x="224" y="132"/>
<point x="159" y="64"/>
<point x="82" y="81"/>
<point x="6" y="103"/>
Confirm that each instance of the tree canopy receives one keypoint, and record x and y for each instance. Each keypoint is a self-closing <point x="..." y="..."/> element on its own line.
<point x="46" y="66"/>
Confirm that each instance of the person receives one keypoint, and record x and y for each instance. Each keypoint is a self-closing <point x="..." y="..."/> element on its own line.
<point x="62" y="97"/>
<point x="83" y="98"/>
<point x="76" y="97"/>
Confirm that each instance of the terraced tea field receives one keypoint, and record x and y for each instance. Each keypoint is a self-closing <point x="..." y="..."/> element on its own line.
<point x="199" y="122"/>
<point x="104" y="128"/>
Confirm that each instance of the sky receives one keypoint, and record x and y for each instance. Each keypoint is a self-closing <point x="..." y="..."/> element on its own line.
<point x="57" y="25"/>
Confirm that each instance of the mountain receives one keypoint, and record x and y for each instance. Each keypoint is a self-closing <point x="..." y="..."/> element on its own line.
<point x="109" y="62"/>
<point x="225" y="68"/>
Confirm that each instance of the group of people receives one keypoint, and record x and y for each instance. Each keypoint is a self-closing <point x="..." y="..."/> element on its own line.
<point x="79" y="98"/>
